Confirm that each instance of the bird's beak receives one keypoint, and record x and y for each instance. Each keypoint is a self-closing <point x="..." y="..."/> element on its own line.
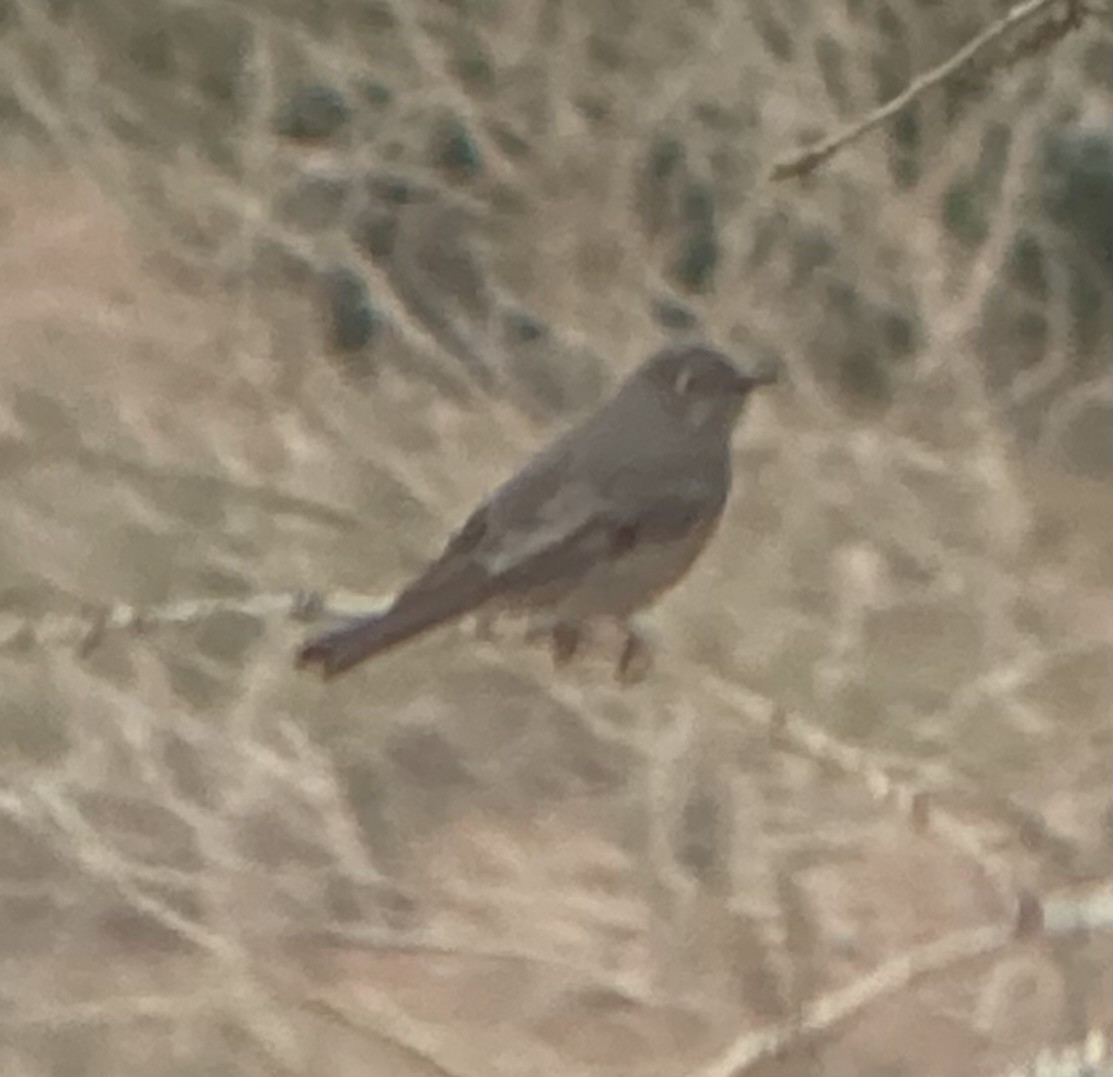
<point x="765" y="372"/>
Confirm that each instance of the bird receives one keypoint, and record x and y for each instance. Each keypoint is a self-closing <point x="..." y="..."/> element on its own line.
<point x="594" y="527"/>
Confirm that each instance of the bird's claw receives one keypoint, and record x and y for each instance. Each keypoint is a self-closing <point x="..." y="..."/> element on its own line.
<point x="565" y="642"/>
<point x="635" y="659"/>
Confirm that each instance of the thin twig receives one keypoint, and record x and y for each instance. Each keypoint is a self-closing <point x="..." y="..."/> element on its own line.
<point x="811" y="157"/>
<point x="833" y="1007"/>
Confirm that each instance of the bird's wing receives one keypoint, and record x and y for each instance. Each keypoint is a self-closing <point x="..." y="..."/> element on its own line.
<point x="499" y="552"/>
<point x="486" y="560"/>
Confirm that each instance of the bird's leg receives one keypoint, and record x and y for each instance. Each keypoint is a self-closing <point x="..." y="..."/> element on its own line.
<point x="565" y="642"/>
<point x="635" y="660"/>
<point x="482" y="626"/>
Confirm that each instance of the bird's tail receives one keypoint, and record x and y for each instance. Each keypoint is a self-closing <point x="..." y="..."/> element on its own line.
<point x="341" y="648"/>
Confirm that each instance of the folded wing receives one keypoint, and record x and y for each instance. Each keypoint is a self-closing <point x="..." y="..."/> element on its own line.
<point x="488" y="560"/>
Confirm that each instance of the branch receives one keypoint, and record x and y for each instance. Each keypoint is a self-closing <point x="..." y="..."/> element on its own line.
<point x="86" y="630"/>
<point x="1092" y="911"/>
<point x="811" y="157"/>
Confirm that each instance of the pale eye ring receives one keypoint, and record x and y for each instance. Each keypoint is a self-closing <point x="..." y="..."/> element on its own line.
<point x="683" y="381"/>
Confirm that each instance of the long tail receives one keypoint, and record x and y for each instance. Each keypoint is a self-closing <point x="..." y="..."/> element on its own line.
<point x="346" y="646"/>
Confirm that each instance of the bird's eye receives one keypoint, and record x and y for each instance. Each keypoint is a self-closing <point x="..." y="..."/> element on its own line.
<point x="683" y="381"/>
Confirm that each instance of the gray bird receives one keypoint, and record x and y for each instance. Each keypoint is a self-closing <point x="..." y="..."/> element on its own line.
<point x="594" y="527"/>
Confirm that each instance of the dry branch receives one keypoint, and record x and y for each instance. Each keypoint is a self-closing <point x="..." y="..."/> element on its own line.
<point x="811" y="157"/>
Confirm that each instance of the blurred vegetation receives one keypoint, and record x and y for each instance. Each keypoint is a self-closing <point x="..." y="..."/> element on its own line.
<point x="289" y="284"/>
<point x="464" y="101"/>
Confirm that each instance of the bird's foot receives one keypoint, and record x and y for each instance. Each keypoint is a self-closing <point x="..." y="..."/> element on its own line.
<point x="564" y="639"/>
<point x="635" y="660"/>
<point x="483" y="626"/>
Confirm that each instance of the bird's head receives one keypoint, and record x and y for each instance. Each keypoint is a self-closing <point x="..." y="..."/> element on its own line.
<point x="703" y="387"/>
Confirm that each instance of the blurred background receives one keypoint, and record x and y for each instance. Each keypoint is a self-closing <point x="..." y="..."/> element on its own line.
<point x="286" y="287"/>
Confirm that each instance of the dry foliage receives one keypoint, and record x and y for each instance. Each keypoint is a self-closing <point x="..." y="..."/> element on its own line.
<point x="288" y="286"/>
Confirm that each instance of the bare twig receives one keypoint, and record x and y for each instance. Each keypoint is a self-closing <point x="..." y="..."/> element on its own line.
<point x="87" y="630"/>
<point x="833" y="1007"/>
<point x="810" y="158"/>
